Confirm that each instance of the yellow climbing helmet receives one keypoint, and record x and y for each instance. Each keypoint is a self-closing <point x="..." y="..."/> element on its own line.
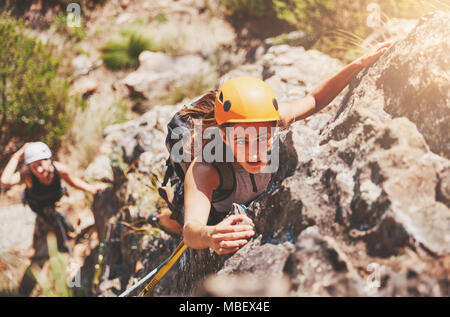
<point x="245" y="99"/>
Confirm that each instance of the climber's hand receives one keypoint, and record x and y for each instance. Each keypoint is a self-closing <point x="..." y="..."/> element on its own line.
<point x="97" y="188"/>
<point x="20" y="153"/>
<point x="168" y="223"/>
<point x="228" y="235"/>
<point x="370" y="58"/>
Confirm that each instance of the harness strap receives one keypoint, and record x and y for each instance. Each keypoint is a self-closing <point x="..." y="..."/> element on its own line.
<point x="227" y="181"/>
<point x="169" y="172"/>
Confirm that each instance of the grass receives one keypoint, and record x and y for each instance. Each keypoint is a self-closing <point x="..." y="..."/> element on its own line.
<point x="86" y="133"/>
<point x="161" y="17"/>
<point x="53" y="282"/>
<point x="60" y="25"/>
<point x="123" y="53"/>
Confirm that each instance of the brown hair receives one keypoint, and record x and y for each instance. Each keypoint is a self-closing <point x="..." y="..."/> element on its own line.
<point x="202" y="109"/>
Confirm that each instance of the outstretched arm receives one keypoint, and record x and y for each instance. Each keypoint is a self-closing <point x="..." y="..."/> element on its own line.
<point x="77" y="183"/>
<point x="328" y="90"/>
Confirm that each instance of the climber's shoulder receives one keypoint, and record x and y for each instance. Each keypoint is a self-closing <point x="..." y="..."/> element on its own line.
<point x="203" y="175"/>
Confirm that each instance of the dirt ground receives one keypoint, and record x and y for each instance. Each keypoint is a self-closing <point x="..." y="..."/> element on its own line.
<point x="16" y="234"/>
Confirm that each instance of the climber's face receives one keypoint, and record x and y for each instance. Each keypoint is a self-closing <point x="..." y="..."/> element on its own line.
<point x="249" y="143"/>
<point x="43" y="170"/>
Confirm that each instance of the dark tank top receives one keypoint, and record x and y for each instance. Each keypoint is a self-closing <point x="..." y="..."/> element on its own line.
<point x="45" y="195"/>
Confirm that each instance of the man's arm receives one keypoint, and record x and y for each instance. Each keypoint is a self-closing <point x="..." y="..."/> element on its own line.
<point x="9" y="176"/>
<point x="75" y="182"/>
<point x="328" y="90"/>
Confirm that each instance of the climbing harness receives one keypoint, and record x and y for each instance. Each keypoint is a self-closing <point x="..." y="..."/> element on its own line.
<point x="158" y="273"/>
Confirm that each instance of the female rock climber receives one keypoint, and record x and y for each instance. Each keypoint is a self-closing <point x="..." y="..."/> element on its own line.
<point x="242" y="103"/>
<point x="42" y="177"/>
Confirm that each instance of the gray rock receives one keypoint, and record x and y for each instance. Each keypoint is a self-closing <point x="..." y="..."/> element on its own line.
<point x="100" y="169"/>
<point x="145" y="134"/>
<point x="245" y="285"/>
<point x="159" y="73"/>
<point x="81" y="64"/>
<point x="318" y="267"/>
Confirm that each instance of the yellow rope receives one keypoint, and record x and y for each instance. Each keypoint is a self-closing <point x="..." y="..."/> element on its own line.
<point x="164" y="269"/>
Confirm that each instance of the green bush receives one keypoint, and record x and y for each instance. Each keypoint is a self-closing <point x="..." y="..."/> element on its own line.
<point x="124" y="52"/>
<point x="60" y="25"/>
<point x="32" y="95"/>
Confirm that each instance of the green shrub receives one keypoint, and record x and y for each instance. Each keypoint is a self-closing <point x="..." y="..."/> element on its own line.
<point x="75" y="33"/>
<point x="124" y="52"/>
<point x="161" y="17"/>
<point x="32" y="95"/>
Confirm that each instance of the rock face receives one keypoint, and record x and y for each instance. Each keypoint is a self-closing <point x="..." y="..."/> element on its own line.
<point x="415" y="80"/>
<point x="392" y="117"/>
<point x="360" y="207"/>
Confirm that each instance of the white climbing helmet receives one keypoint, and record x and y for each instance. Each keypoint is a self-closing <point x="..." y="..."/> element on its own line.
<point x="37" y="151"/>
